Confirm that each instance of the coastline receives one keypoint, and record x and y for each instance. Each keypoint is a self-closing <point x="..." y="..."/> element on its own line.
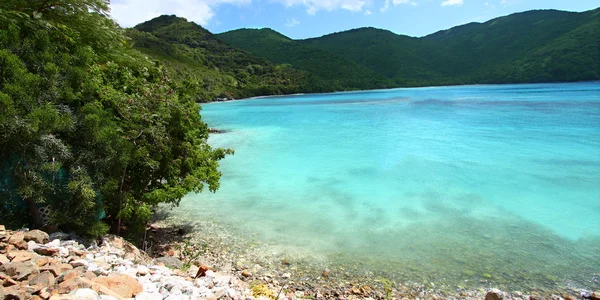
<point x="401" y="88"/>
<point x="308" y="276"/>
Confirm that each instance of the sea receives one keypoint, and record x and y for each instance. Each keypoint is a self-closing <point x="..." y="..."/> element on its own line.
<point x="460" y="186"/>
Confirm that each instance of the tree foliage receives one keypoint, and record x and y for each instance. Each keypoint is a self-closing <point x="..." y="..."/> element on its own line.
<point x="90" y="127"/>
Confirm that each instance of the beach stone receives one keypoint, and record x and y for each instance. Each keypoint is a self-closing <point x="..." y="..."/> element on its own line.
<point x="3" y="259"/>
<point x="22" y="245"/>
<point x="79" y="263"/>
<point x="169" y="261"/>
<point x="123" y="285"/>
<point x="84" y="294"/>
<point x="37" y="236"/>
<point x="107" y="297"/>
<point x="14" y="292"/>
<point x="494" y="294"/>
<point x="16" y="238"/>
<point x="76" y="283"/>
<point x="149" y="296"/>
<point x="595" y="295"/>
<point x="19" y="270"/>
<point x="57" y="269"/>
<point x="47" y="251"/>
<point x="20" y="256"/>
<point x="44" y="279"/>
<point x="142" y="270"/>
<point x="62" y="297"/>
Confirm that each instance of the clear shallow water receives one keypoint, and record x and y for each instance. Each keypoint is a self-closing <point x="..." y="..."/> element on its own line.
<point x="465" y="185"/>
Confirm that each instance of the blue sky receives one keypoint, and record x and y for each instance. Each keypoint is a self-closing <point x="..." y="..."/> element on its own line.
<point x="311" y="18"/>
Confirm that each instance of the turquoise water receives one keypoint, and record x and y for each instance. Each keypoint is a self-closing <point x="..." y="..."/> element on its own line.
<point x="465" y="185"/>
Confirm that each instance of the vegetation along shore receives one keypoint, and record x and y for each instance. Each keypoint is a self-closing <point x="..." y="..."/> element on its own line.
<point x="100" y="125"/>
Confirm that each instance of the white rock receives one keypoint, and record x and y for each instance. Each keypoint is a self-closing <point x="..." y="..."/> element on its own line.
<point x="286" y="275"/>
<point x="150" y="287"/>
<point x="233" y="294"/>
<point x="31" y="245"/>
<point x="210" y="273"/>
<point x="80" y="263"/>
<point x="106" y="297"/>
<point x="84" y="294"/>
<point x="142" y="270"/>
<point x="54" y="244"/>
<point x="149" y="296"/>
<point x="121" y="269"/>
<point x="63" y="252"/>
<point x="178" y="297"/>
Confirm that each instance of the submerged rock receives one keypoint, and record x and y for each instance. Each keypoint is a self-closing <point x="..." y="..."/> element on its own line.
<point x="494" y="294"/>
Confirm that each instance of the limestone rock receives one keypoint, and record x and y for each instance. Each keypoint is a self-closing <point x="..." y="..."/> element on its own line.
<point x="14" y="292"/>
<point x="494" y="294"/>
<point x="16" y="238"/>
<point x="149" y="296"/>
<point x="37" y="236"/>
<point x="42" y="280"/>
<point x="123" y="285"/>
<point x="19" y="270"/>
<point x="57" y="269"/>
<point x="84" y="294"/>
<point x="80" y="263"/>
<point x="3" y="259"/>
<point x="142" y="270"/>
<point x="47" y="251"/>
<point x="20" y="256"/>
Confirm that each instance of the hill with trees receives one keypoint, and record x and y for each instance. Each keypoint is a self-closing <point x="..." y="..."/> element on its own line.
<point x="191" y="51"/>
<point x="533" y="46"/>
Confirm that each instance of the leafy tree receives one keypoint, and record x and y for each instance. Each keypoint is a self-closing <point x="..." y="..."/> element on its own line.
<point x="88" y="126"/>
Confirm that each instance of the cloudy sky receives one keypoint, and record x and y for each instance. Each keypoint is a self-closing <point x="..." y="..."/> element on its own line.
<point x="312" y="18"/>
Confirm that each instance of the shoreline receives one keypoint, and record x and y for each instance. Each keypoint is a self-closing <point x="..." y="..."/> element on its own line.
<point x="308" y="276"/>
<point x="398" y="88"/>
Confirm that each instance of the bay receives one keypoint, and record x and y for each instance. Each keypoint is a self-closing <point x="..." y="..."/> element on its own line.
<point x="464" y="185"/>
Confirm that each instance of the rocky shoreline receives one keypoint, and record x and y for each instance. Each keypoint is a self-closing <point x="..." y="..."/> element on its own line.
<point x="36" y="265"/>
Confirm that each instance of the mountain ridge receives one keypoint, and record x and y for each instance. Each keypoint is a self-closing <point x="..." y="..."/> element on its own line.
<point x="501" y="50"/>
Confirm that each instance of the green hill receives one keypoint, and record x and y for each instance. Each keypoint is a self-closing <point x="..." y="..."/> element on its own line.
<point x="219" y="70"/>
<point x="533" y="46"/>
<point x="333" y="72"/>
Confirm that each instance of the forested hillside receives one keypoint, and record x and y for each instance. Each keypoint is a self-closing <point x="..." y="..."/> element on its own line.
<point x="190" y="51"/>
<point x="334" y="72"/>
<point x="534" y="46"/>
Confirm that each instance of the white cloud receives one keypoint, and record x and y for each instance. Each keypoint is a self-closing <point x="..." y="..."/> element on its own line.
<point x="452" y="2"/>
<point x="131" y="12"/>
<point x="396" y="2"/>
<point x="291" y="23"/>
<point x="368" y="12"/>
<point x="387" y="4"/>
<point x="313" y="6"/>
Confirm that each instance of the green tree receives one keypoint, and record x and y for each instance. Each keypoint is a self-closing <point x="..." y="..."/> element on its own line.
<point x="90" y="126"/>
